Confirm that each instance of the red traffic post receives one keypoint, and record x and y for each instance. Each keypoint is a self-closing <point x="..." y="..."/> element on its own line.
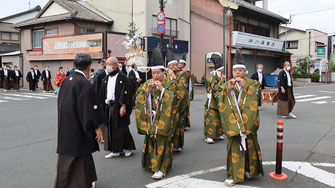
<point x="278" y="174"/>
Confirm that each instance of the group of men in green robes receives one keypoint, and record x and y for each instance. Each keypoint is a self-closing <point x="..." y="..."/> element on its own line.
<point x="232" y="109"/>
<point x="162" y="111"/>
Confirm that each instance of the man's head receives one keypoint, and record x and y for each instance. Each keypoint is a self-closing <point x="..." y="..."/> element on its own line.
<point x="173" y="66"/>
<point x="239" y="72"/>
<point x="287" y="65"/>
<point x="181" y="64"/>
<point x="15" y="67"/>
<point x="36" y="67"/>
<point x="8" y="67"/>
<point x="47" y="67"/>
<point x="260" y="68"/>
<point x="158" y="74"/>
<point x="31" y="69"/>
<point x="111" y="64"/>
<point x="134" y="66"/>
<point x="83" y="62"/>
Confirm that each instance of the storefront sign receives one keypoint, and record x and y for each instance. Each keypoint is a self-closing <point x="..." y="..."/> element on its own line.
<point x="251" y="41"/>
<point x="321" y="51"/>
<point x="91" y="43"/>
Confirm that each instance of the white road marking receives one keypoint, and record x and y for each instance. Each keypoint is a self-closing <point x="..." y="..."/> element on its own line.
<point x="26" y="96"/>
<point x="304" y="96"/>
<point x="3" y="101"/>
<point x="14" y="98"/>
<point x="44" y="94"/>
<point x="320" y="102"/>
<point x="310" y="171"/>
<point x="327" y="92"/>
<point x="304" y="168"/>
<point x="314" y="99"/>
<point x="333" y="102"/>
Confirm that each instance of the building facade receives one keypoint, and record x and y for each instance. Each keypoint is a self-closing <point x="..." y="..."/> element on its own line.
<point x="250" y="28"/>
<point x="304" y="44"/>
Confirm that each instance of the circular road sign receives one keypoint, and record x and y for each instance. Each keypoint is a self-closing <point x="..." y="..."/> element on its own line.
<point x="161" y="28"/>
<point x="161" y="16"/>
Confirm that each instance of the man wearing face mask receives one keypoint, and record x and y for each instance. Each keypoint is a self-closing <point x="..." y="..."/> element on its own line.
<point x="286" y="100"/>
<point x="115" y="94"/>
<point x="16" y="76"/>
<point x="46" y="79"/>
<point x="260" y="78"/>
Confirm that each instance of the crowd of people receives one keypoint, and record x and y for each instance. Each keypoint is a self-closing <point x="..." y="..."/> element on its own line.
<point x="96" y="108"/>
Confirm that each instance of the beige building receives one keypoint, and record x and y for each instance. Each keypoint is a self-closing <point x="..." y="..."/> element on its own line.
<point x="143" y="13"/>
<point x="304" y="43"/>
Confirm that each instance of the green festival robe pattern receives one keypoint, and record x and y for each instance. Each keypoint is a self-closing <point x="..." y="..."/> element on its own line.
<point x="157" y="147"/>
<point x="183" y="120"/>
<point x="212" y="124"/>
<point x="237" y="161"/>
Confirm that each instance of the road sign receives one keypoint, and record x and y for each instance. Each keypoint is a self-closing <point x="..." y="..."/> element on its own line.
<point x="161" y="16"/>
<point x="321" y="51"/>
<point x="161" y="28"/>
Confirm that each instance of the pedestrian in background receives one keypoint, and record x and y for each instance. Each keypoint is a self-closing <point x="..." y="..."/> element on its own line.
<point x="260" y="78"/>
<point x="38" y="75"/>
<point x="7" y="78"/>
<point x="79" y="117"/>
<point x="60" y="77"/>
<point x="286" y="100"/>
<point x="46" y="79"/>
<point x="16" y="77"/>
<point x="31" y="79"/>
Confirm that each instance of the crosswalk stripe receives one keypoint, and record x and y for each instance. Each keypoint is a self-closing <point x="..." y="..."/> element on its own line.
<point x="314" y="99"/>
<point x="43" y="94"/>
<point x="304" y="96"/>
<point x="320" y="102"/>
<point x="14" y="98"/>
<point x="327" y="92"/>
<point x="3" y="101"/>
<point x="26" y="96"/>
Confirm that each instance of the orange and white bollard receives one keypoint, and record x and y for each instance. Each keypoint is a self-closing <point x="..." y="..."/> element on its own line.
<point x="278" y="174"/>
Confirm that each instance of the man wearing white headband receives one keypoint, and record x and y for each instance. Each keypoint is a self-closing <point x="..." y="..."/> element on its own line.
<point x="213" y="129"/>
<point x="286" y="100"/>
<point x="155" y="112"/>
<point x="237" y="104"/>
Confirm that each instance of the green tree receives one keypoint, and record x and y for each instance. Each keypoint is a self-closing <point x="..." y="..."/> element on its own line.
<point x="331" y="65"/>
<point x="132" y="29"/>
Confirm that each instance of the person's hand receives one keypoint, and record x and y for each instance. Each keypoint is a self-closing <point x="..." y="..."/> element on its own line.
<point x="240" y="81"/>
<point x="172" y="74"/>
<point x="282" y="90"/>
<point x="99" y="136"/>
<point x="147" y="70"/>
<point x="150" y="86"/>
<point x="139" y="80"/>
<point x="223" y="78"/>
<point x="123" y="110"/>
<point x="159" y="85"/>
<point x="231" y="84"/>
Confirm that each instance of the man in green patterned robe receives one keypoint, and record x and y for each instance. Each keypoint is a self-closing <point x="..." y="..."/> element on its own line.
<point x="156" y="114"/>
<point x="213" y="129"/>
<point x="238" y="106"/>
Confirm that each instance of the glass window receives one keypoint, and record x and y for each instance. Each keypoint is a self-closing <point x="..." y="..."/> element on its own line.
<point x="37" y="38"/>
<point x="5" y="36"/>
<point x="15" y="36"/>
<point x="292" y="45"/>
<point x="90" y="30"/>
<point x="174" y="28"/>
<point x="51" y="32"/>
<point x="167" y="27"/>
<point x="317" y="44"/>
<point x="154" y="24"/>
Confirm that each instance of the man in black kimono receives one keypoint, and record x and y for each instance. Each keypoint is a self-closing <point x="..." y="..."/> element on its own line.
<point x="16" y="77"/>
<point x="116" y="97"/>
<point x="31" y="79"/>
<point x="38" y="75"/>
<point x="1" y="77"/>
<point x="6" y="78"/>
<point x="135" y="80"/>
<point x="260" y="78"/>
<point x="79" y="117"/>
<point x="46" y="79"/>
<point x="286" y="99"/>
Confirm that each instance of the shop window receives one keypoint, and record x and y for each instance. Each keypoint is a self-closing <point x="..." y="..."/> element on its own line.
<point x="318" y="44"/>
<point x="15" y="36"/>
<point x="51" y="32"/>
<point x="37" y="38"/>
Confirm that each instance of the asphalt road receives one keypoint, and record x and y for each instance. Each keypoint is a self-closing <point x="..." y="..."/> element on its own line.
<point x="28" y="124"/>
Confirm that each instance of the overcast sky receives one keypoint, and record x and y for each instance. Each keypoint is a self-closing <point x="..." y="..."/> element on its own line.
<point x="322" y="20"/>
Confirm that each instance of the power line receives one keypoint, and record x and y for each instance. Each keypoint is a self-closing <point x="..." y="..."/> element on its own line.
<point x="315" y="11"/>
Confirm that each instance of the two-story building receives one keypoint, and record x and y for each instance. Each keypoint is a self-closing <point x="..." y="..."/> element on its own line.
<point x="253" y="29"/>
<point x="143" y="13"/>
<point x="61" y="30"/>
<point x="304" y="44"/>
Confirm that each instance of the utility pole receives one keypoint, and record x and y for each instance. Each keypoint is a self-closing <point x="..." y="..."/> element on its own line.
<point x="162" y="6"/>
